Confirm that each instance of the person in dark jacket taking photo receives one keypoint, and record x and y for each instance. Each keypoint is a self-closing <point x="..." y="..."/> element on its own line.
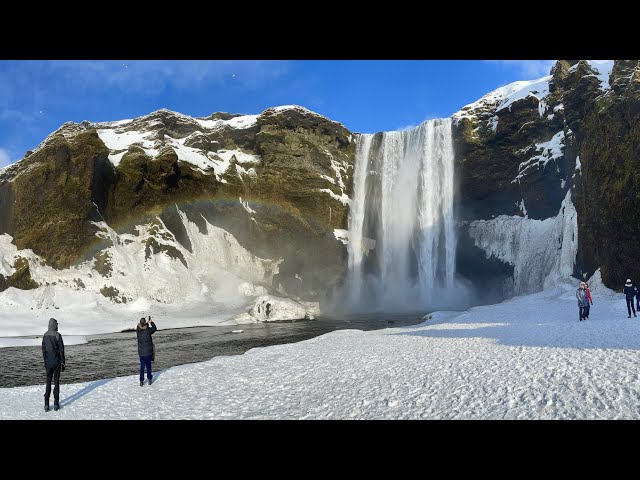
<point x="145" y="347"/>
<point x="53" y="355"/>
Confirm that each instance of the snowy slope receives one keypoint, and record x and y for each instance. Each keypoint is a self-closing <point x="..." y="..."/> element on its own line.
<point x="526" y="358"/>
<point x="504" y="97"/>
<point x="210" y="285"/>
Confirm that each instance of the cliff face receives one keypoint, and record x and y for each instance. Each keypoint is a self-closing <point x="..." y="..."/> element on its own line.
<point x="166" y="204"/>
<point x="524" y="147"/>
<point x="608" y="190"/>
<point x="277" y="182"/>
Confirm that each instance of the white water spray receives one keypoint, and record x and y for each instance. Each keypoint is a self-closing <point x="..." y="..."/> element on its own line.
<point x="403" y="204"/>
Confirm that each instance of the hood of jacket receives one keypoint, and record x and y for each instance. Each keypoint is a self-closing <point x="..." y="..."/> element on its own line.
<point x="53" y="324"/>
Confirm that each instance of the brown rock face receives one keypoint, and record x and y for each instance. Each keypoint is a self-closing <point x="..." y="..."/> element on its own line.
<point x="49" y="199"/>
<point x="608" y="191"/>
<point x="53" y="194"/>
<point x="21" y="278"/>
<point x="489" y="160"/>
<point x="303" y="164"/>
<point x="601" y="127"/>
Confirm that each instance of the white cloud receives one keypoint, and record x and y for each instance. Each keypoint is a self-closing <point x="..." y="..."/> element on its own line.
<point x="4" y="158"/>
<point x="149" y="77"/>
<point x="37" y="96"/>
<point x="410" y="126"/>
<point x="26" y="86"/>
<point x="529" y="69"/>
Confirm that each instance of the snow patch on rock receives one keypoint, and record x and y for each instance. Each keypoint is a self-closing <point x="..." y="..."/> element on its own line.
<point x="341" y="235"/>
<point x="550" y="150"/>
<point x="240" y="122"/>
<point x="602" y="68"/>
<point x="597" y="287"/>
<point x="269" y="308"/>
<point x="504" y="97"/>
<point x="343" y="199"/>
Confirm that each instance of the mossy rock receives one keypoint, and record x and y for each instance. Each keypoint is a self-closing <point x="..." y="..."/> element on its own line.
<point x="111" y="293"/>
<point x="21" y="278"/>
<point x="103" y="264"/>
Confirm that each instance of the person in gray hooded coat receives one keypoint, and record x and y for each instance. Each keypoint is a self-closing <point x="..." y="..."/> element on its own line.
<point x="54" y="361"/>
<point x="583" y="301"/>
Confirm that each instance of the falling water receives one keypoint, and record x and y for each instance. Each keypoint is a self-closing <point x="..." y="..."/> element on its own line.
<point x="401" y="225"/>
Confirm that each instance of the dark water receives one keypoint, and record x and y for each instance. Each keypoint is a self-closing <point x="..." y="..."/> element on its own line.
<point x="116" y="354"/>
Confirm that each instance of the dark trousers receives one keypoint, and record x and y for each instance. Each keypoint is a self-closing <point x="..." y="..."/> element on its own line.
<point x="145" y="362"/>
<point x="586" y="311"/>
<point x="582" y="312"/>
<point x="631" y="306"/>
<point x="53" y="373"/>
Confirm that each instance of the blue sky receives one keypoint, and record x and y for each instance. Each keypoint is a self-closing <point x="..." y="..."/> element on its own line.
<point x="36" y="97"/>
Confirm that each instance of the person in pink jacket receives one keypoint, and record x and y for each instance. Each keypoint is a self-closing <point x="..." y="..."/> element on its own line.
<point x="588" y="307"/>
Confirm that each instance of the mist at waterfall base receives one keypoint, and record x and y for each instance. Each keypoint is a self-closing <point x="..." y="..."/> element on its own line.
<point x="402" y="232"/>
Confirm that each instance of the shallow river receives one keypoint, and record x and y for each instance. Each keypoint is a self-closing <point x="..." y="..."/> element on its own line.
<point x="116" y="354"/>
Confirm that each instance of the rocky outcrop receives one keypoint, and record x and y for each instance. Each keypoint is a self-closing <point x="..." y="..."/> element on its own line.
<point x="20" y="278"/>
<point x="608" y="188"/>
<point x="510" y="150"/>
<point x="278" y="182"/>
<point x="275" y="187"/>
<point x="521" y="148"/>
<point x="268" y="308"/>
<point x="49" y="197"/>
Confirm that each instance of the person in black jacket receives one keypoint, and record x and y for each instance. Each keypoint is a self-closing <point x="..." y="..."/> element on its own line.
<point x="53" y="355"/>
<point x="630" y="292"/>
<point x="145" y="347"/>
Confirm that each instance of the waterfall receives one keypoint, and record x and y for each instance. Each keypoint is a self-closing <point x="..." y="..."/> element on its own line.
<point x="401" y="223"/>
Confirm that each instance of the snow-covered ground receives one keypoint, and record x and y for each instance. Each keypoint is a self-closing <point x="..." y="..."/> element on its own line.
<point x="528" y="357"/>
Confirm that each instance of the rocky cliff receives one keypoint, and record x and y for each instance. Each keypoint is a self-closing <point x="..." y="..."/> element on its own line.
<point x="526" y="148"/>
<point x="183" y="210"/>
<point x="255" y="195"/>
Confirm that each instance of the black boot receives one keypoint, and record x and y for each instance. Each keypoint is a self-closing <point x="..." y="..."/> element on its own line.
<point x="141" y="383"/>
<point x="150" y="380"/>
<point x="56" y="406"/>
<point x="46" y="404"/>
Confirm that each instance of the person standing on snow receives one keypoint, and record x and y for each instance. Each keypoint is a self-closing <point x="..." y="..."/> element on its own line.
<point x="586" y="287"/>
<point x="145" y="347"/>
<point x="637" y="298"/>
<point x="630" y="292"/>
<point x="583" y="301"/>
<point x="53" y="355"/>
